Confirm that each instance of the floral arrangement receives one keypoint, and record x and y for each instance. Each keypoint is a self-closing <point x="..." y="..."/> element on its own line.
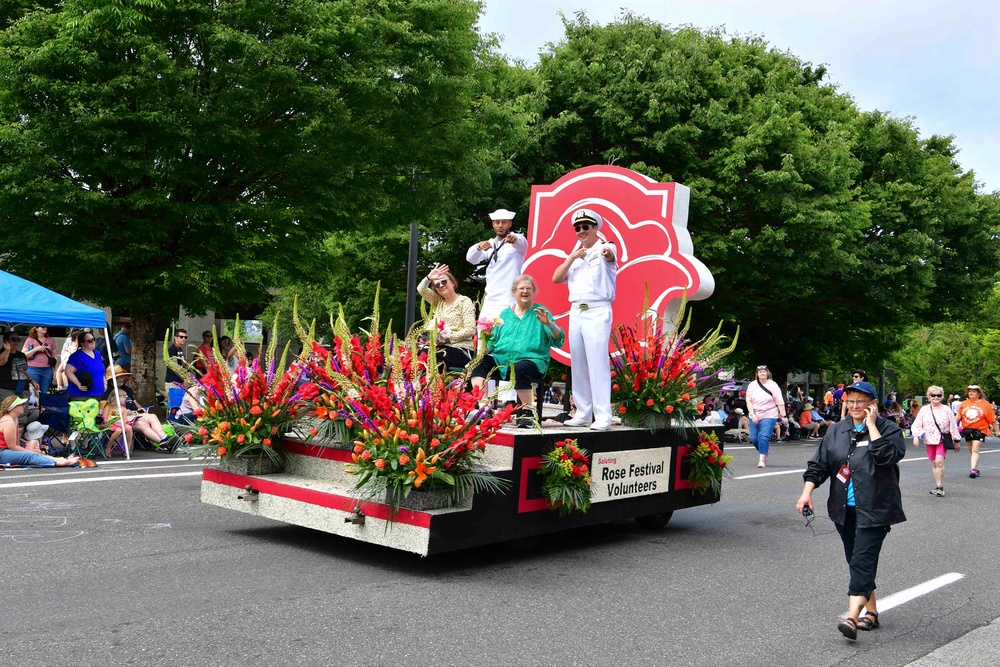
<point x="657" y="372"/>
<point x="411" y="428"/>
<point x="567" y="481"/>
<point x="485" y="326"/>
<point x="246" y="411"/>
<point x="708" y="464"/>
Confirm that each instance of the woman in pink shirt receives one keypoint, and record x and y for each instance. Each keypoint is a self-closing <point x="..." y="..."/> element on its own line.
<point x="932" y="422"/>
<point x="39" y="349"/>
<point x="766" y="407"/>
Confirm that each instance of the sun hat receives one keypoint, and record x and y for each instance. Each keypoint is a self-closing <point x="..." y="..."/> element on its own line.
<point x="974" y="386"/>
<point x="807" y="406"/>
<point x="116" y="370"/>
<point x="35" y="430"/>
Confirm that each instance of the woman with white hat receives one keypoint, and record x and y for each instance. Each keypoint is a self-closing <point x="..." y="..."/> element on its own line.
<point x="11" y="450"/>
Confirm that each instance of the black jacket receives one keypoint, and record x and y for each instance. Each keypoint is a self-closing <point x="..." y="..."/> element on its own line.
<point x="873" y="468"/>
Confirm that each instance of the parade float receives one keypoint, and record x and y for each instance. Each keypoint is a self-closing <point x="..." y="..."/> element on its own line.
<point x="364" y="439"/>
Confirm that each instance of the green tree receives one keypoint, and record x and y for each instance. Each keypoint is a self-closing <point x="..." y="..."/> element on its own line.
<point x="160" y="154"/>
<point x="827" y="230"/>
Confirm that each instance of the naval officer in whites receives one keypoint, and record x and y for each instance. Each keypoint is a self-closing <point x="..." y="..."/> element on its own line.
<point x="504" y="257"/>
<point x="590" y="271"/>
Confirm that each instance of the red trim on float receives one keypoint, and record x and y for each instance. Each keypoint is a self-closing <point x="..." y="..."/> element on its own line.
<point x="317" y="451"/>
<point x="681" y="482"/>
<point x="313" y="497"/>
<point x="525" y="504"/>
<point x="503" y="440"/>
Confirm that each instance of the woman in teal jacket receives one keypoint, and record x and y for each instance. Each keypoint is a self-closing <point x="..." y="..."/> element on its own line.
<point x="522" y="337"/>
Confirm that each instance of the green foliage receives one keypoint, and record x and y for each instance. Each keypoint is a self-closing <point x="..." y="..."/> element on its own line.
<point x="952" y="354"/>
<point x="814" y="218"/>
<point x="190" y="153"/>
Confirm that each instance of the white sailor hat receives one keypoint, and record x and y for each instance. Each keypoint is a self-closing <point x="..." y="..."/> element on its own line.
<point x="502" y="214"/>
<point x="586" y="215"/>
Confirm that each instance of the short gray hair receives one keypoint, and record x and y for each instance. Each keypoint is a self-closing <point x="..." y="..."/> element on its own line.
<point x="524" y="278"/>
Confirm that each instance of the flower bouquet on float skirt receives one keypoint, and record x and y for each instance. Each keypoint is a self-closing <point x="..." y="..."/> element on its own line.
<point x="412" y="429"/>
<point x="657" y="373"/>
<point x="245" y="412"/>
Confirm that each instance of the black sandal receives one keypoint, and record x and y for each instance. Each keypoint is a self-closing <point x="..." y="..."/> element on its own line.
<point x="848" y="627"/>
<point x="868" y="622"/>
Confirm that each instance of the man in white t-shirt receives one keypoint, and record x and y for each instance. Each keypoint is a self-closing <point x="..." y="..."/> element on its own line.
<point x="590" y="271"/>
<point x="504" y="257"/>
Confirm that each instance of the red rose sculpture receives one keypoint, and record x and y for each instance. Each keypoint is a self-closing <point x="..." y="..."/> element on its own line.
<point x="647" y="222"/>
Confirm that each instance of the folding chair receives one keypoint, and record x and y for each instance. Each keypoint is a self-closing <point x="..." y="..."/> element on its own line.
<point x="88" y="437"/>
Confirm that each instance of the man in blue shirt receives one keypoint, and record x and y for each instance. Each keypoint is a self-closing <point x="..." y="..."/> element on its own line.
<point x="123" y="339"/>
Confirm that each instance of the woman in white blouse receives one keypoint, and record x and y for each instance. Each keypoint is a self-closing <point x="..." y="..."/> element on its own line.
<point x="933" y="421"/>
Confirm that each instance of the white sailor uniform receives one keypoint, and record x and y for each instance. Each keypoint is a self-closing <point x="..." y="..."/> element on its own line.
<point x="505" y="262"/>
<point x="591" y="283"/>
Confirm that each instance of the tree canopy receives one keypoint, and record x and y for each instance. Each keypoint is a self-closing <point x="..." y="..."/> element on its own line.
<point x="827" y="229"/>
<point x="160" y="154"/>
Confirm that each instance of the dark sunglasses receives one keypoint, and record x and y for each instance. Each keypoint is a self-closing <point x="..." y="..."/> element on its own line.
<point x="441" y="283"/>
<point x="582" y="226"/>
<point x="15" y="339"/>
<point x="855" y="376"/>
<point x="89" y="340"/>
<point x="935" y="395"/>
<point x="182" y="337"/>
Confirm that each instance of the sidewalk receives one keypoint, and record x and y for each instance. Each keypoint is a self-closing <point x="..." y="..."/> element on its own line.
<point x="979" y="648"/>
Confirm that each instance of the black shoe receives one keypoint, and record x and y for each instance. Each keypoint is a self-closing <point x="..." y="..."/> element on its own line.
<point x="525" y="422"/>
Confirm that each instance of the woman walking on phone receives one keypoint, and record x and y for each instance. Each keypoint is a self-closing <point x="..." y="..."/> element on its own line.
<point x="859" y="456"/>
<point x="934" y="422"/>
<point x="766" y="407"/>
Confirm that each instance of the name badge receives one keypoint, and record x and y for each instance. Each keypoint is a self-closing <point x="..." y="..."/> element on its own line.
<point x="844" y="474"/>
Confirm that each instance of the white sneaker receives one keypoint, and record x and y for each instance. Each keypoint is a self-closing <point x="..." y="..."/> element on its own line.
<point x="577" y="421"/>
<point x="600" y="426"/>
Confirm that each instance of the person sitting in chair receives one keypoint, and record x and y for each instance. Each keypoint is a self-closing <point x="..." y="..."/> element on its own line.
<point x="136" y="418"/>
<point x="523" y="337"/>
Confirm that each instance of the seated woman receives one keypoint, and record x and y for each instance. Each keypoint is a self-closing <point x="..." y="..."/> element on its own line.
<point x="454" y="318"/>
<point x="523" y="337"/>
<point x="136" y="419"/>
<point x="11" y="450"/>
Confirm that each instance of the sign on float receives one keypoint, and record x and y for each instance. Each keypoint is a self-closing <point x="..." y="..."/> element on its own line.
<point x="640" y="472"/>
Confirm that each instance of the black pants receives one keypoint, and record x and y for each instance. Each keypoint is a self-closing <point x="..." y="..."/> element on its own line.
<point x="453" y="357"/>
<point x="862" y="547"/>
<point x="525" y="372"/>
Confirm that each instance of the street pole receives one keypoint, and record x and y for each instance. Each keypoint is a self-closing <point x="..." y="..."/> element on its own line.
<point x="411" y="280"/>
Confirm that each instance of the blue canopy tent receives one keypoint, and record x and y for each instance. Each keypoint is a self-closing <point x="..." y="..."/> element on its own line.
<point x="24" y="302"/>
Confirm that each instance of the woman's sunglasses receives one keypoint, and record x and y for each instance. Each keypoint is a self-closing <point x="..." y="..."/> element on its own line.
<point x="441" y="283"/>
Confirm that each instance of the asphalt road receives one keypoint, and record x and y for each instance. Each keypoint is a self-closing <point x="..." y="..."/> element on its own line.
<point x="123" y="565"/>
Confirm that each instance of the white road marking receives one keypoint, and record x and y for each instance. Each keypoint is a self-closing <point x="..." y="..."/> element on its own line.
<point x="902" y="597"/>
<point x="908" y="459"/>
<point x="772" y="474"/>
<point x="728" y="447"/>
<point x="101" y="467"/>
<point x="78" y="480"/>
